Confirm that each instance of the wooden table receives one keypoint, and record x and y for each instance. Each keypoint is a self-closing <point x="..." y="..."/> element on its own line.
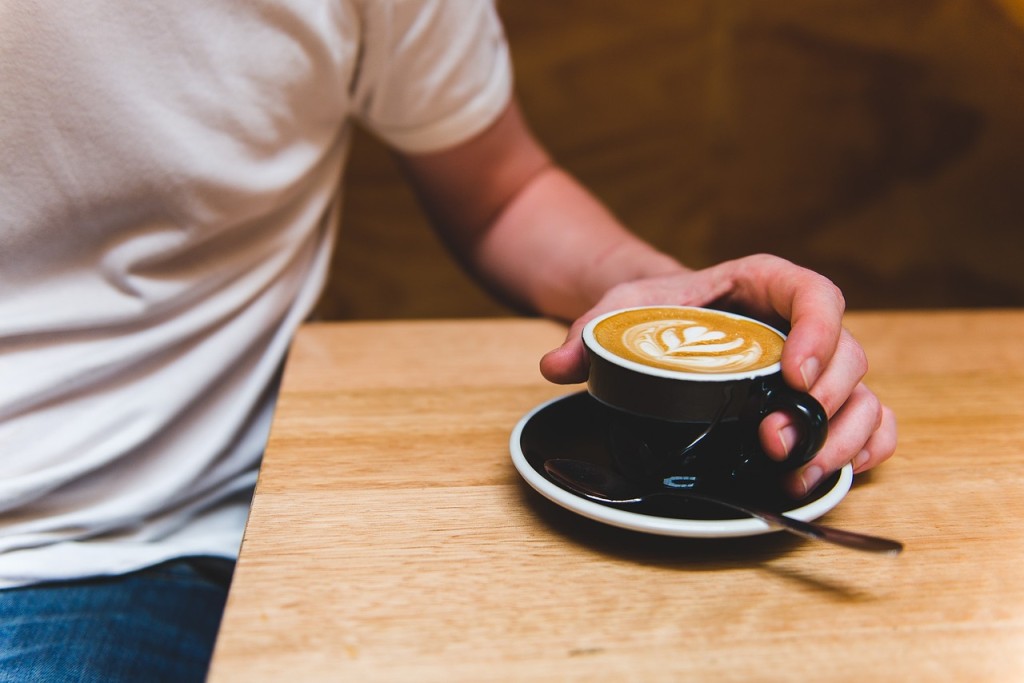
<point x="391" y="539"/>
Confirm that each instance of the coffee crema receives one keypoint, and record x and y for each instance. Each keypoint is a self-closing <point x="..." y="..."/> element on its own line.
<point x="689" y="340"/>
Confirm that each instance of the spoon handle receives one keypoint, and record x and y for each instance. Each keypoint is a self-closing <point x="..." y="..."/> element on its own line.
<point x="849" y="539"/>
<point x="601" y="484"/>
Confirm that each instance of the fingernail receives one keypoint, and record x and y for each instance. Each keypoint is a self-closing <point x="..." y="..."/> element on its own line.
<point x="809" y="372"/>
<point x="810" y="478"/>
<point x="783" y="440"/>
<point x="860" y="460"/>
<point x="787" y="436"/>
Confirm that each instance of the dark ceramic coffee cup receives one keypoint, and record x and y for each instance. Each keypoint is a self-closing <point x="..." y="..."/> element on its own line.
<point x="690" y="387"/>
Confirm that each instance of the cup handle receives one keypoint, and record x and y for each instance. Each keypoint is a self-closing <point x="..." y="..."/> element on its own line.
<point x="812" y="421"/>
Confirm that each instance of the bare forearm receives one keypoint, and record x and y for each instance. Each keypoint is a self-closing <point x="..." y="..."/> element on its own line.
<point x="525" y="228"/>
<point x="555" y="249"/>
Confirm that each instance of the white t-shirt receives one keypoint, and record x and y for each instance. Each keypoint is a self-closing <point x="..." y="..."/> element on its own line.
<point x="169" y="184"/>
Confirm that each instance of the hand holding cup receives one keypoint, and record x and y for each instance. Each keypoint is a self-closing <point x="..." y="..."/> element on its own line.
<point x="678" y="374"/>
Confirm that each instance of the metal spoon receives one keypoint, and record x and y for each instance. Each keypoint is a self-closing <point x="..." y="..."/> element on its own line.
<point x="605" y="486"/>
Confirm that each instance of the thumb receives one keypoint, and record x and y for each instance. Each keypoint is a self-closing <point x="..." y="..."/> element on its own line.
<point x="568" y="363"/>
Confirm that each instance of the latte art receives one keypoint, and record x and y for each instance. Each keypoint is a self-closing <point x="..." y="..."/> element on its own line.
<point x="688" y="346"/>
<point x="689" y="340"/>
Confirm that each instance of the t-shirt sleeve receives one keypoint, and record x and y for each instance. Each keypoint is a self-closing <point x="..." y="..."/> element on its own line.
<point x="433" y="72"/>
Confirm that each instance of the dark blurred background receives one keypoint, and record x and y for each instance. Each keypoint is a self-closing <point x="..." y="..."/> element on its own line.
<point x="880" y="143"/>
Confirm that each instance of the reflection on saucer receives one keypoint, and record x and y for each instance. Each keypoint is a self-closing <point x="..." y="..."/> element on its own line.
<point x="575" y="426"/>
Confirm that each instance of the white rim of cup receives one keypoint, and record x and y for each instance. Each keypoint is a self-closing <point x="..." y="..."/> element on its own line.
<point x="590" y="341"/>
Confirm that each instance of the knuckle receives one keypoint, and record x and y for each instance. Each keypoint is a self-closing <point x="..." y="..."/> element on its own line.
<point x="837" y="293"/>
<point x="883" y="441"/>
<point x="874" y="406"/>
<point x="856" y="356"/>
<point x="889" y="424"/>
<point x="830" y="290"/>
<point x="765" y="259"/>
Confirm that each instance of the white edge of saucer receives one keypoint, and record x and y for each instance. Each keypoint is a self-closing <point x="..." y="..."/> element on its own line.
<point x="664" y="526"/>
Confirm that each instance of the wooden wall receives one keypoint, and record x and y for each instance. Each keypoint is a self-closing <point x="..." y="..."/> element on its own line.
<point x="878" y="142"/>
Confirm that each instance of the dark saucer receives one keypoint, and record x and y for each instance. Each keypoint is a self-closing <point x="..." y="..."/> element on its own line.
<point x="576" y="426"/>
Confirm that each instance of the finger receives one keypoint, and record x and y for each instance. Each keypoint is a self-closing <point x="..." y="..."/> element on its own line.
<point x="837" y="382"/>
<point x="850" y="430"/>
<point x="880" y="447"/>
<point x="774" y="289"/>
<point x="568" y="363"/>
<point x="849" y="364"/>
<point x="778" y="435"/>
<point x="816" y="318"/>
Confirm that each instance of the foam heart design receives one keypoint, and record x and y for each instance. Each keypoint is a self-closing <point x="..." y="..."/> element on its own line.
<point x="699" y="333"/>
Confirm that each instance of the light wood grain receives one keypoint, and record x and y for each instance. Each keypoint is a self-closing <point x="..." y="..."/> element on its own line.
<point x="392" y="540"/>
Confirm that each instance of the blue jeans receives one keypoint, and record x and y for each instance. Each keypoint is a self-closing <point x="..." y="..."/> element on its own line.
<point x="157" y="624"/>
